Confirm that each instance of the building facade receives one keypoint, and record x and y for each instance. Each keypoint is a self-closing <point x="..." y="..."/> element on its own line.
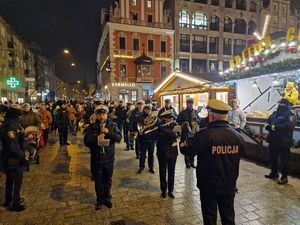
<point x="136" y="49"/>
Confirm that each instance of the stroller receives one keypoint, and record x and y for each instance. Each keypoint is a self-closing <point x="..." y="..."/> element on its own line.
<point x="32" y="134"/>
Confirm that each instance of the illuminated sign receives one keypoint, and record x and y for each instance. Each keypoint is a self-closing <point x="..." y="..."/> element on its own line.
<point x="123" y="84"/>
<point x="12" y="82"/>
<point x="291" y="35"/>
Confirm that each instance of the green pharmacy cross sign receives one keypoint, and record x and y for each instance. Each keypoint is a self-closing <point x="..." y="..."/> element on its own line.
<point x="12" y="82"/>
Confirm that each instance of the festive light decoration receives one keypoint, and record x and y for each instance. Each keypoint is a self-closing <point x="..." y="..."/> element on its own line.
<point x="13" y="82"/>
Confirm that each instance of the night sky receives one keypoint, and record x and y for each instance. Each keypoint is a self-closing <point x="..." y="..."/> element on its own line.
<point x="58" y="24"/>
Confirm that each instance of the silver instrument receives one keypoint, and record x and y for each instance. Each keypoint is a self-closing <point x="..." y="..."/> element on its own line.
<point x="148" y="124"/>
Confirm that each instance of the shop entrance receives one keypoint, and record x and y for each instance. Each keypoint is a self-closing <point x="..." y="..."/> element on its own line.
<point x="123" y="94"/>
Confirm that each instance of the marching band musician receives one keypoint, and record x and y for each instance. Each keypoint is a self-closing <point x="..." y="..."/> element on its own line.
<point x="167" y="106"/>
<point x="167" y="153"/>
<point x="189" y="115"/>
<point x="147" y="143"/>
<point x="127" y="139"/>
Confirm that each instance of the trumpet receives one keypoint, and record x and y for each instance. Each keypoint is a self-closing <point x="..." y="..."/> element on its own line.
<point x="155" y="128"/>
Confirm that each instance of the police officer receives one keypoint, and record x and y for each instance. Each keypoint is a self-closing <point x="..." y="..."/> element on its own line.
<point x="189" y="115"/>
<point x="280" y="125"/>
<point x="101" y="137"/>
<point x="167" y="152"/>
<point x="218" y="148"/>
<point x="127" y="139"/>
<point x="13" y="156"/>
<point x="119" y="111"/>
<point x="147" y="143"/>
<point x="62" y="120"/>
<point x="167" y="106"/>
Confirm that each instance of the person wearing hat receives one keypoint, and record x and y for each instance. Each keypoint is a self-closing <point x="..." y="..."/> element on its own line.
<point x="281" y="126"/>
<point x="62" y="120"/>
<point x="147" y="143"/>
<point x="127" y="112"/>
<point x="133" y="121"/>
<point x="167" y="152"/>
<point x="100" y="138"/>
<point x="291" y="93"/>
<point x="218" y="148"/>
<point x="190" y="116"/>
<point x="120" y="114"/>
<point x="29" y="118"/>
<point x="13" y="157"/>
<point x="167" y="106"/>
<point x="236" y="116"/>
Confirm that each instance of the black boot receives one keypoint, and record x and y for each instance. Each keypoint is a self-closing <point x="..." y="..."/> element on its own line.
<point x="272" y="176"/>
<point x="283" y="180"/>
<point x="17" y="206"/>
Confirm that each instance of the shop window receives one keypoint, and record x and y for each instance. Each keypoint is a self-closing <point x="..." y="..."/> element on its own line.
<point x="241" y="4"/>
<point x="149" y="3"/>
<point x="213" y="45"/>
<point x="239" y="46"/>
<point x="214" y="23"/>
<point x="199" y="66"/>
<point x="184" y="42"/>
<point x="149" y="18"/>
<point x="240" y="26"/>
<point x="252" y="6"/>
<point x="134" y="96"/>
<point x="251" y="27"/>
<point x="136" y="44"/>
<point x="228" y="3"/>
<point x="227" y="24"/>
<point x="163" y="71"/>
<point x="145" y="94"/>
<point x="123" y="70"/>
<point x="199" y="44"/>
<point x="215" y="2"/>
<point x="122" y="42"/>
<point x="163" y="46"/>
<point x="184" y="65"/>
<point x="150" y="45"/>
<point x="199" y="21"/>
<point x="184" y="19"/>
<point x="227" y="46"/>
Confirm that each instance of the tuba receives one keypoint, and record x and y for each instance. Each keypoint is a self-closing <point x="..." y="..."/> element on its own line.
<point x="148" y="124"/>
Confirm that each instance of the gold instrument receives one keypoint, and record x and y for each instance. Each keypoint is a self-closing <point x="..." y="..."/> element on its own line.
<point x="148" y="124"/>
<point x="155" y="128"/>
<point x="195" y="127"/>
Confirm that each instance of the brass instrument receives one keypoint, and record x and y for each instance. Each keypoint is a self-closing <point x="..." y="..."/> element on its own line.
<point x="155" y="128"/>
<point x="194" y="127"/>
<point x="148" y="124"/>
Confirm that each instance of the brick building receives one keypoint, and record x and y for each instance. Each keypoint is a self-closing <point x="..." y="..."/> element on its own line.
<point x="136" y="49"/>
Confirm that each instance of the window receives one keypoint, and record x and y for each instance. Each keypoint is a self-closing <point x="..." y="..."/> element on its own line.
<point x="184" y="42"/>
<point x="144" y="71"/>
<point x="227" y="24"/>
<point x="213" y="45"/>
<point x="184" y="19"/>
<point x="150" y="45"/>
<point x="240" y="26"/>
<point x="251" y="27"/>
<point x="133" y="2"/>
<point x="199" y="44"/>
<point x="214" y="23"/>
<point x="228" y="3"/>
<point x="136" y="44"/>
<point x="134" y="16"/>
<point x="213" y="66"/>
<point x="283" y="21"/>
<point x="163" y="46"/>
<point x="149" y="18"/>
<point x="201" y="1"/>
<point x="184" y="65"/>
<point x="226" y="65"/>
<point x="239" y="46"/>
<point x="292" y="22"/>
<point x="275" y="7"/>
<point x="275" y="20"/>
<point x="199" y="66"/>
<point x="252" y="6"/>
<point x="283" y="8"/>
<point x="134" y="95"/>
<point x="199" y="21"/>
<point x="227" y="47"/>
<point x="145" y="94"/>
<point x="123" y="70"/>
<point x="241" y="4"/>
<point x="163" y="71"/>
<point x="149" y="3"/>
<point x="122" y="43"/>
<point x="215" y="2"/>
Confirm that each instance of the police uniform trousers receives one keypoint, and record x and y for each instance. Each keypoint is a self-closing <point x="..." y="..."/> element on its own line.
<point x="167" y="166"/>
<point x="129" y="143"/>
<point x="189" y="160"/>
<point x="63" y="135"/>
<point x="13" y="186"/>
<point x="277" y="151"/>
<point x="211" y="202"/>
<point x="147" y="146"/>
<point x="138" y="146"/>
<point x="103" y="179"/>
<point x="120" y="125"/>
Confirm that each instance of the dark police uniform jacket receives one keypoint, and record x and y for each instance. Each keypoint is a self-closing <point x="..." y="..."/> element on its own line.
<point x="218" y="148"/>
<point x="134" y="119"/>
<point x="284" y="121"/>
<point x="163" y="109"/>
<point x="13" y="144"/>
<point x="91" y="141"/>
<point x="145" y="137"/>
<point x="62" y="118"/>
<point x="188" y="115"/>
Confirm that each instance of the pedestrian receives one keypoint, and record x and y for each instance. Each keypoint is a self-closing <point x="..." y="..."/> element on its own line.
<point x="167" y="153"/>
<point x="120" y="109"/>
<point x="30" y="118"/>
<point x="62" y="124"/>
<point x="167" y="106"/>
<point x="13" y="157"/>
<point x="218" y="148"/>
<point x="189" y="116"/>
<point x="46" y="119"/>
<point x="236" y="116"/>
<point x="101" y="137"/>
<point x="281" y="126"/>
<point x="72" y="118"/>
<point x="127" y="139"/>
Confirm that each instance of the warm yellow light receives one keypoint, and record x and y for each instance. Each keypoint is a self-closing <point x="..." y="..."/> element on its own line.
<point x="66" y="51"/>
<point x="163" y="59"/>
<point x="104" y="63"/>
<point x="123" y="56"/>
<point x="73" y="64"/>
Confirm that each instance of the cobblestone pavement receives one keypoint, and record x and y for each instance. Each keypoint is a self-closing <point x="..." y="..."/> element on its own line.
<point x="59" y="191"/>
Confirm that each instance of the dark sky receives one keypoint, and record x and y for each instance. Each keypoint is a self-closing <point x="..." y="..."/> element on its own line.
<point x="58" y="24"/>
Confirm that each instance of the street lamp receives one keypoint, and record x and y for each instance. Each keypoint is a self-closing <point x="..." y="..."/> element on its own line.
<point x="73" y="64"/>
<point x="66" y="51"/>
<point x="78" y="82"/>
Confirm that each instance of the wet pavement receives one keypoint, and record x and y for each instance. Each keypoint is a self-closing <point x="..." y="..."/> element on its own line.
<point x="60" y="191"/>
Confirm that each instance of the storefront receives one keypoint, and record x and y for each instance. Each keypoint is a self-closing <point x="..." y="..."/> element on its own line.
<point x="11" y="90"/>
<point x="180" y="86"/>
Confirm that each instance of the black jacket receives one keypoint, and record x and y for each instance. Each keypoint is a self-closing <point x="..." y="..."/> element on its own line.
<point x="218" y="148"/>
<point x="134" y="119"/>
<point x="163" y="109"/>
<point x="120" y="113"/>
<point x="145" y="137"/>
<point x="62" y="118"/>
<point x="13" y="143"/>
<point x="91" y="141"/>
<point x="188" y="116"/>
